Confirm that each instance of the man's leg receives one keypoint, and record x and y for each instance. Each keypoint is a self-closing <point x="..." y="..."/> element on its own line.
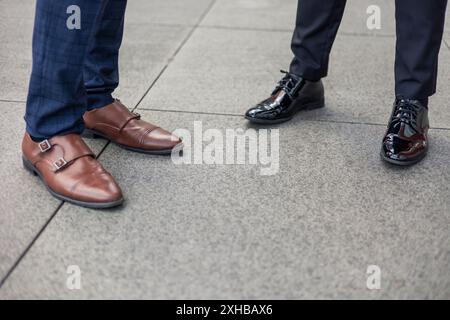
<point x="52" y="147"/>
<point x="301" y="89"/>
<point x="315" y="31"/>
<point x="420" y="26"/>
<point x="56" y="97"/>
<point x="101" y="69"/>
<point x="109" y="118"/>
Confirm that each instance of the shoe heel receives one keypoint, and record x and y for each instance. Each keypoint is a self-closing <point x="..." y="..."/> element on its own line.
<point x="28" y="166"/>
<point x="89" y="134"/>
<point x="316" y="105"/>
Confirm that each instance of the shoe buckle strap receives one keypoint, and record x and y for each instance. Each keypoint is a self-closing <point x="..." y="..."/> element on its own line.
<point x="62" y="162"/>
<point x="133" y="116"/>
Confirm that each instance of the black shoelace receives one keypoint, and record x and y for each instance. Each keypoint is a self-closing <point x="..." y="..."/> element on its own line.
<point x="405" y="112"/>
<point x="287" y="84"/>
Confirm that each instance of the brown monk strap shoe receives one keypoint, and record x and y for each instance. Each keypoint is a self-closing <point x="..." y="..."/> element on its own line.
<point x="71" y="172"/>
<point x="125" y="128"/>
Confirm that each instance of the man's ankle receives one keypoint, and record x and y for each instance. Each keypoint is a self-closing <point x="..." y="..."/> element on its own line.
<point x="35" y="139"/>
<point x="423" y="102"/>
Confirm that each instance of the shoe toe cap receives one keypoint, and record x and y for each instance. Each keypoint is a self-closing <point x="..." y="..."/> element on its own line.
<point x="100" y="188"/>
<point x="160" y="139"/>
<point x="252" y="113"/>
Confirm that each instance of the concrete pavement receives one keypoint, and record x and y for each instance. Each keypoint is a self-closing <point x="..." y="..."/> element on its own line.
<point x="202" y="231"/>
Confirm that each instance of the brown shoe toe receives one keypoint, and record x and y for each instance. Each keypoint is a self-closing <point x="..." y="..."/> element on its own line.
<point x="160" y="139"/>
<point x="70" y="171"/>
<point x="98" y="188"/>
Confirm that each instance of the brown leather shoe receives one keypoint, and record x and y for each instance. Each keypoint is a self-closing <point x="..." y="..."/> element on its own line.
<point x="125" y="128"/>
<point x="70" y="171"/>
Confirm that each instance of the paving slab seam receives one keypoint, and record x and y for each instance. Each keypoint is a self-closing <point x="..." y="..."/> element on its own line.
<point x="162" y="24"/>
<point x="306" y="120"/>
<point x="10" y="271"/>
<point x="177" y="50"/>
<point x="344" y="33"/>
<point x="241" y="116"/>
<point x="218" y="27"/>
<point x="13" y="101"/>
<point x="447" y="44"/>
<point x="185" y="40"/>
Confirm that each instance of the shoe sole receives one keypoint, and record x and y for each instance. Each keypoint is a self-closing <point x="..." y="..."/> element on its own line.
<point x="402" y="163"/>
<point x="305" y="107"/>
<point x="91" y="205"/>
<point x="92" y="134"/>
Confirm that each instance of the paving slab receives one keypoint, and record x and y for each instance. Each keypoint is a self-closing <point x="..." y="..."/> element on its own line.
<point x="356" y="16"/>
<point x="146" y="49"/>
<point x="15" y="57"/>
<point x="184" y="12"/>
<point x="228" y="71"/>
<point x="253" y="14"/>
<point x="221" y="71"/>
<point x="225" y="231"/>
<point x="25" y="204"/>
<point x="172" y="12"/>
<point x="281" y="14"/>
<point x="17" y="9"/>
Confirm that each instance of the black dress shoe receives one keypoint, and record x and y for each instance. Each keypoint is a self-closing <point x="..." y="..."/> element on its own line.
<point x="405" y="142"/>
<point x="291" y="95"/>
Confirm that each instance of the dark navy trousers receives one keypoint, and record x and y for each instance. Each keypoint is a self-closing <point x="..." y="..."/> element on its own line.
<point x="419" y="23"/>
<point x="75" y="63"/>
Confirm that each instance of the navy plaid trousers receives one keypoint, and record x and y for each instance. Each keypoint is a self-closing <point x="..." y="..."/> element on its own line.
<point x="75" y="66"/>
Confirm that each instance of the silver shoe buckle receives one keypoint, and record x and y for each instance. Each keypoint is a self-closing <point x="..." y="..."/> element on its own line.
<point x="45" y="145"/>
<point x="60" y="163"/>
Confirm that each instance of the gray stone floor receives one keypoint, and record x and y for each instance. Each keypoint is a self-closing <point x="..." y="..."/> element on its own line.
<point x="201" y="231"/>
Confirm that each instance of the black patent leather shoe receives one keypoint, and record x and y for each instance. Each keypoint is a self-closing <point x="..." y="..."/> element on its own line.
<point x="291" y="95"/>
<point x="405" y="142"/>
